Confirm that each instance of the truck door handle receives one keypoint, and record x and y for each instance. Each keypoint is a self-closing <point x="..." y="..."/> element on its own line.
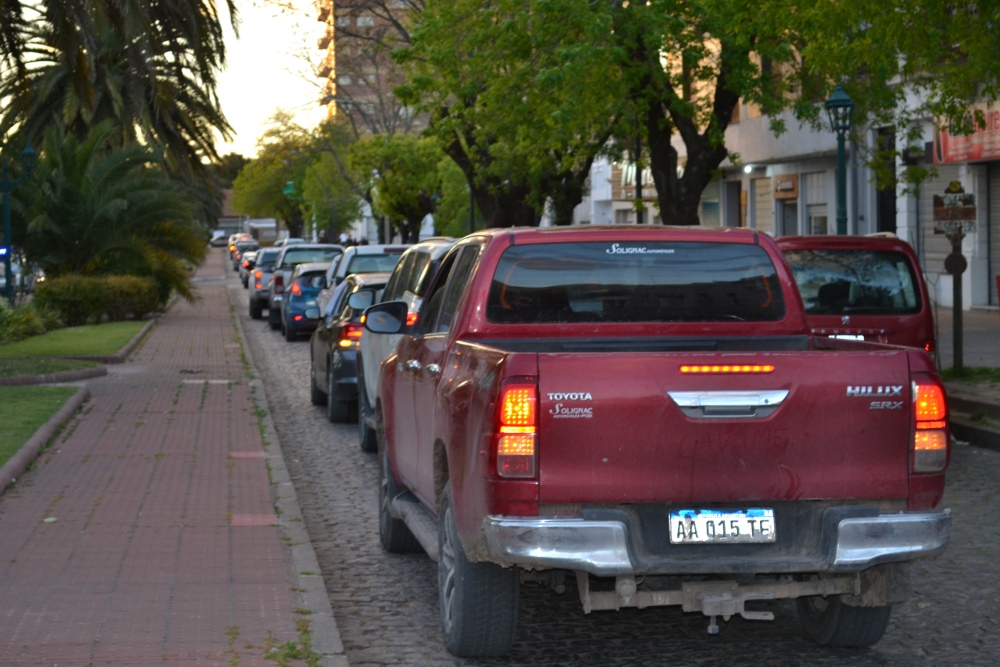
<point x="413" y="365"/>
<point x="433" y="370"/>
<point x="728" y="403"/>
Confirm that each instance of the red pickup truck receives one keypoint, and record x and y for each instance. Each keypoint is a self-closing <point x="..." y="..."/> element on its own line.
<point x="643" y="410"/>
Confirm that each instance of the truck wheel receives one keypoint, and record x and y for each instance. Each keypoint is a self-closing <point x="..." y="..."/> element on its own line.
<point x="478" y="600"/>
<point x="337" y="411"/>
<point x="367" y="437"/>
<point x="393" y="534"/>
<point x="316" y="395"/>
<point x="256" y="312"/>
<point x="830" y="622"/>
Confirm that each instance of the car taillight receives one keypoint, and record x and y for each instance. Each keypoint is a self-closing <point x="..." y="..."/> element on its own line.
<point x="930" y="437"/>
<point x="296" y="289"/>
<point x="930" y="346"/>
<point x="350" y="334"/>
<point x="518" y="430"/>
<point x="278" y="281"/>
<point x="411" y="319"/>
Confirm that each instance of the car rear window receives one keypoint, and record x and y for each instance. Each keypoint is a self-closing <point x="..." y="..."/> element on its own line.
<point x="314" y="280"/>
<point x="635" y="282"/>
<point x="856" y="282"/>
<point x="372" y="264"/>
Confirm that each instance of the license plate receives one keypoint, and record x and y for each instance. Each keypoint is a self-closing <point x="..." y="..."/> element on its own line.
<point x="693" y="526"/>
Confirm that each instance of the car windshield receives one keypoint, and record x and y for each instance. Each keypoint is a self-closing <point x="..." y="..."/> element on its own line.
<point x="296" y="255"/>
<point x="857" y="282"/>
<point x="632" y="282"/>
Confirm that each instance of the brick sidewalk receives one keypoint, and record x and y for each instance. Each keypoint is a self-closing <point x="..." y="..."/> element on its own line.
<point x="147" y="534"/>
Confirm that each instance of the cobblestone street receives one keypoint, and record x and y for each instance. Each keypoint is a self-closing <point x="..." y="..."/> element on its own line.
<point x="386" y="606"/>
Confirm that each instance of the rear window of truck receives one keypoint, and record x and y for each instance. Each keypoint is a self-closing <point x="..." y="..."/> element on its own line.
<point x="855" y="282"/>
<point x="635" y="282"/>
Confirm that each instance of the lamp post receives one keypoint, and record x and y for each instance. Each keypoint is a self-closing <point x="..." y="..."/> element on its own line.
<point x="7" y="185"/>
<point x="840" y="108"/>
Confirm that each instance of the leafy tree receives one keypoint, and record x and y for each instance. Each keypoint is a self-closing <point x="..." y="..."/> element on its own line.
<point x="228" y="167"/>
<point x="93" y="208"/>
<point x="402" y="172"/>
<point x="289" y="154"/>
<point x="522" y="95"/>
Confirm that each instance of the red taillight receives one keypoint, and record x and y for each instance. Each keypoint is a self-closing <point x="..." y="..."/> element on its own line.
<point x="350" y="334"/>
<point x="296" y="289"/>
<point x="930" y="438"/>
<point x="246" y="264"/>
<point x="278" y="282"/>
<point x="411" y="319"/>
<point x="930" y="346"/>
<point x="518" y="430"/>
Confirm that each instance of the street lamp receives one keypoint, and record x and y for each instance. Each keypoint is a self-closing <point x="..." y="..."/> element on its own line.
<point x="840" y="108"/>
<point x="28" y="161"/>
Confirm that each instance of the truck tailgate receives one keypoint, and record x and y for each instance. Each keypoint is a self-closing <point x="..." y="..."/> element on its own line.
<point x="610" y="432"/>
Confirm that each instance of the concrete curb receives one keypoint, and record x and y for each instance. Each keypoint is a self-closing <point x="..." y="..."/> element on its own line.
<point x="54" y="378"/>
<point x="17" y="464"/>
<point x="310" y="588"/>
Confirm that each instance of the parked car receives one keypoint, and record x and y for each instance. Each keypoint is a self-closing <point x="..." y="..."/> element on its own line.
<point x="408" y="282"/>
<point x="289" y="257"/>
<point x="219" y="239"/>
<point x="234" y="239"/>
<point x="260" y="280"/>
<point x="246" y="266"/>
<point x="640" y="408"/>
<point x="241" y="247"/>
<point x="333" y="378"/>
<point x="298" y="308"/>
<point x="862" y="287"/>
<point x="364" y="259"/>
<point x="288" y="240"/>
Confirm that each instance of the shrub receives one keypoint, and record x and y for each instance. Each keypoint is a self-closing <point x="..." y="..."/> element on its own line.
<point x="20" y="322"/>
<point x="74" y="297"/>
<point x="130" y="296"/>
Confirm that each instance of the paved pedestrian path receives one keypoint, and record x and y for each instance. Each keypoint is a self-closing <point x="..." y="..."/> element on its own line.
<point x="148" y="533"/>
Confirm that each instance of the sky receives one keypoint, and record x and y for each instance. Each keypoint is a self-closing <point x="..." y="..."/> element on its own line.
<point x="267" y="69"/>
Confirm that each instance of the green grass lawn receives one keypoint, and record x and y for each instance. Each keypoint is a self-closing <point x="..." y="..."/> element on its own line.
<point x="88" y="340"/>
<point x="23" y="410"/>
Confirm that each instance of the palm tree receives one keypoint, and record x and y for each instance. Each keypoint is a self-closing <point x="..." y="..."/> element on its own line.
<point x="98" y="209"/>
<point x="161" y="100"/>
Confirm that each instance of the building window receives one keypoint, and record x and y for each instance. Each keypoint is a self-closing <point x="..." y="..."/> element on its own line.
<point x="366" y="21"/>
<point x="343" y="21"/>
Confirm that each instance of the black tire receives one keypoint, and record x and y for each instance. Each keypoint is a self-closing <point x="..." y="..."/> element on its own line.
<point x="393" y="534"/>
<point x="830" y="622"/>
<point x="290" y="334"/>
<point x="478" y="600"/>
<point x="337" y="411"/>
<point x="274" y="320"/>
<point x="256" y="312"/>
<point x="316" y="395"/>
<point x="367" y="437"/>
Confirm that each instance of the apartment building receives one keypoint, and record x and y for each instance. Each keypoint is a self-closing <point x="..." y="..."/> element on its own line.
<point x="358" y="72"/>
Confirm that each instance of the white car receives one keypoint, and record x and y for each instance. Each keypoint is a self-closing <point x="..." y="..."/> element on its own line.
<point x="408" y="282"/>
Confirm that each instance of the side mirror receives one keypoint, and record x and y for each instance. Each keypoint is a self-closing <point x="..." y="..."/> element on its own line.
<point x="386" y="318"/>
<point x="361" y="299"/>
<point x="312" y="313"/>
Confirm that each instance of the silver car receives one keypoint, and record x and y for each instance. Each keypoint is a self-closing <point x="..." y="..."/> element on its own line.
<point x="260" y="280"/>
